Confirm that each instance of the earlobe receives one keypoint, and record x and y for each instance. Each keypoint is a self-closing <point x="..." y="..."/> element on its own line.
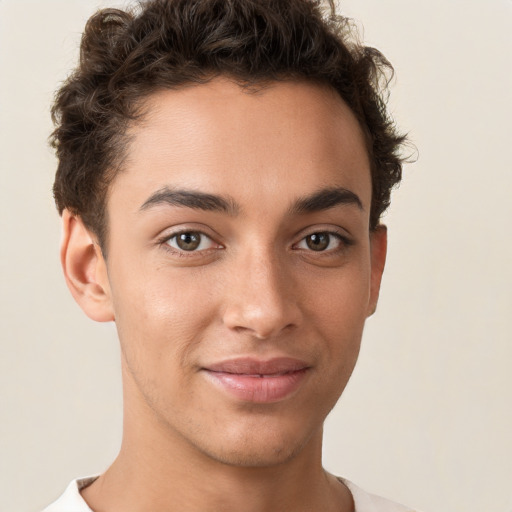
<point x="85" y="269"/>
<point x="378" y="248"/>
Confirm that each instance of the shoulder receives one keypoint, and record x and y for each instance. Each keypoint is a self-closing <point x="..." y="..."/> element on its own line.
<point x="366" y="502"/>
<point x="71" y="500"/>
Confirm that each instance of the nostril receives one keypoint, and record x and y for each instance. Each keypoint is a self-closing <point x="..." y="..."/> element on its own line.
<point x="259" y="324"/>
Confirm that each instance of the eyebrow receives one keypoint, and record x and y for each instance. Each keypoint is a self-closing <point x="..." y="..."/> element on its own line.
<point x="323" y="199"/>
<point x="326" y="198"/>
<point x="191" y="199"/>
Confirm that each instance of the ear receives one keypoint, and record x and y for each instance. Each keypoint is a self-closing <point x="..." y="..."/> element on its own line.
<point x="378" y="249"/>
<point x="85" y="269"/>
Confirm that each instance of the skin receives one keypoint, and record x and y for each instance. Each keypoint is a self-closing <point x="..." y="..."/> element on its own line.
<point x="253" y="288"/>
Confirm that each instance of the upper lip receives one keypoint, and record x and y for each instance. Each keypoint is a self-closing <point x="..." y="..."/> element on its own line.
<point x="255" y="366"/>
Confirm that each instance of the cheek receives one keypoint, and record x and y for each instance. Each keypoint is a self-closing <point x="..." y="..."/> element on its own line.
<point x="340" y="310"/>
<point x="160" y="314"/>
<point x="345" y="292"/>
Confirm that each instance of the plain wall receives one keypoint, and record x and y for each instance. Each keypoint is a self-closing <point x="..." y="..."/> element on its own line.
<point x="427" y="416"/>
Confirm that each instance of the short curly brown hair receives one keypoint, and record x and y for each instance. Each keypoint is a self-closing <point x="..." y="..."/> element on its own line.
<point x="163" y="44"/>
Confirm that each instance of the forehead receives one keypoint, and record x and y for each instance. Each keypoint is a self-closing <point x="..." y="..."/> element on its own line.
<point x="287" y="138"/>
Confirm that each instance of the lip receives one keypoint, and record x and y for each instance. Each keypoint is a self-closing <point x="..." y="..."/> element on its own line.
<point x="258" y="381"/>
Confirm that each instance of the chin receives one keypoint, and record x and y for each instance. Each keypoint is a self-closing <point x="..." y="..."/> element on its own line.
<point x="255" y="457"/>
<point x="258" y="447"/>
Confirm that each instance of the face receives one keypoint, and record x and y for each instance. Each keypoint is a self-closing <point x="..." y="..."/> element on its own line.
<point x="240" y="266"/>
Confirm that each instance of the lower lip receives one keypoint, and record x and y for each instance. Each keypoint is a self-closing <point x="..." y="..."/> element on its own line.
<point x="253" y="388"/>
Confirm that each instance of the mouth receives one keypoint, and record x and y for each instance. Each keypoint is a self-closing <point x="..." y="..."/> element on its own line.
<point x="258" y="381"/>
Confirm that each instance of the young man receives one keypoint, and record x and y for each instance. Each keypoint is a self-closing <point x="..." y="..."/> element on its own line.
<point x="223" y="165"/>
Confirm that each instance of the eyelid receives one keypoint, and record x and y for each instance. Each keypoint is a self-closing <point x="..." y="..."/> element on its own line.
<point x="186" y="227"/>
<point x="324" y="228"/>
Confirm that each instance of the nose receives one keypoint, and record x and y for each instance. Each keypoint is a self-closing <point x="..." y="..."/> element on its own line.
<point x="261" y="298"/>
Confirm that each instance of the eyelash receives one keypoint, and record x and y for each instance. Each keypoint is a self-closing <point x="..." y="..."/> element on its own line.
<point x="344" y="243"/>
<point x="164" y="243"/>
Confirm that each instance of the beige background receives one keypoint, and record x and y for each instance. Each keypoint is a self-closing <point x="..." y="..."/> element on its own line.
<point x="427" y="417"/>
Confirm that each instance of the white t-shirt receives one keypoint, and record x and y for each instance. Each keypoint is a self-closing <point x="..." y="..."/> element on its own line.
<point x="72" y="501"/>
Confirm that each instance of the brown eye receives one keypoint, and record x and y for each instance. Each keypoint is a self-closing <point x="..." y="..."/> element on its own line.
<point x="323" y="241"/>
<point x="318" y="241"/>
<point x="190" y="241"/>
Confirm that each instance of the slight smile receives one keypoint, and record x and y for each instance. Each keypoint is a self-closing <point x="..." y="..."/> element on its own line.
<point x="258" y="381"/>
